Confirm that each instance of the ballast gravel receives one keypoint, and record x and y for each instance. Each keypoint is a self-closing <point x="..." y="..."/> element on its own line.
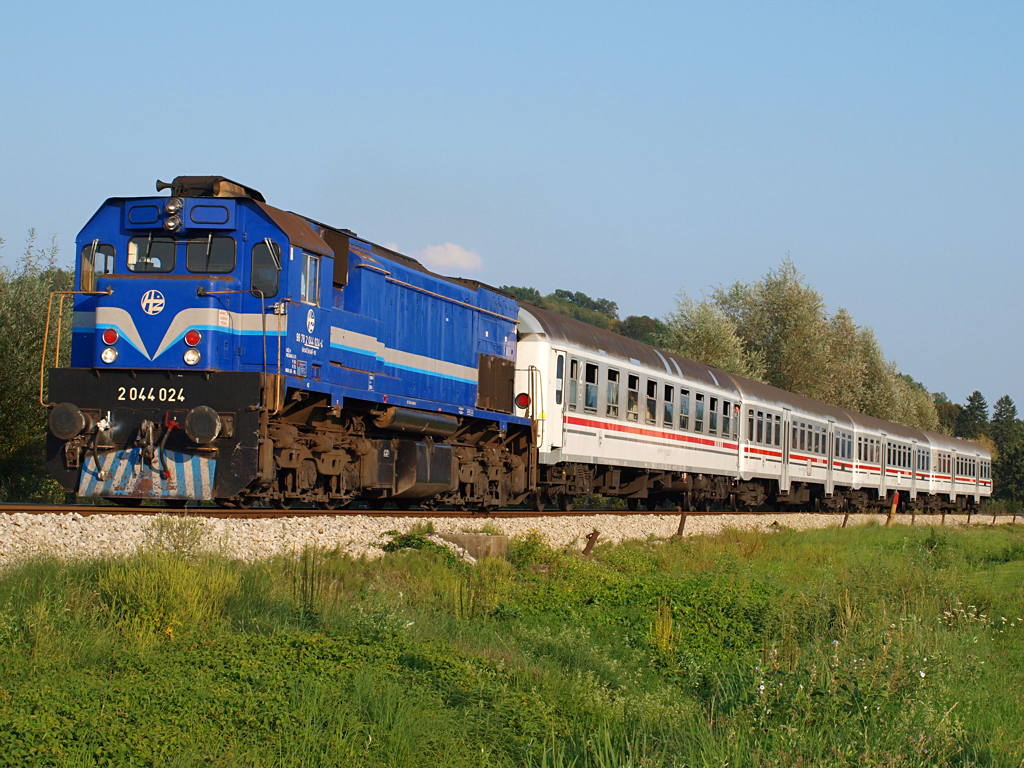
<point x="75" y="536"/>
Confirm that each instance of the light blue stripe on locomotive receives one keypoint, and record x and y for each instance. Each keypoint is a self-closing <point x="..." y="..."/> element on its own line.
<point x="127" y="474"/>
<point x="362" y="344"/>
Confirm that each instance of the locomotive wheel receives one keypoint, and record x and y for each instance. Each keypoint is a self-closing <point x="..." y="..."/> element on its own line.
<point x="282" y="503"/>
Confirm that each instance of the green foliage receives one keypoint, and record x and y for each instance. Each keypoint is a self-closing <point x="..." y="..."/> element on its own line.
<point x="24" y="295"/>
<point x="642" y="328"/>
<point x="602" y="313"/>
<point x="973" y="417"/>
<point x="864" y="646"/>
<point x="702" y="331"/>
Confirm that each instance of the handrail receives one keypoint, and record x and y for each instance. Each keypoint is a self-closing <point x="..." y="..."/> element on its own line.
<point x="283" y="301"/>
<point x="60" y="321"/>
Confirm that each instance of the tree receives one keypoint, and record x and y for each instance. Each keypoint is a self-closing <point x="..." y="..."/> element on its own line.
<point x="529" y="295"/>
<point x="948" y="413"/>
<point x="24" y="294"/>
<point x="1008" y="471"/>
<point x="973" y="418"/>
<point x="642" y="328"/>
<point x="1004" y="424"/>
<point x="702" y="331"/>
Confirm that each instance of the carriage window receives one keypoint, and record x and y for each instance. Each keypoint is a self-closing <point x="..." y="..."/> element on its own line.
<point x="713" y="416"/>
<point x="796" y="442"/>
<point x="210" y="255"/>
<point x="778" y="431"/>
<point x="768" y="429"/>
<point x="750" y="425"/>
<point x="590" y="388"/>
<point x="725" y="417"/>
<point x="151" y="254"/>
<point x="266" y="268"/>
<point x="310" y="278"/>
<point x="97" y="260"/>
<point x="684" y="409"/>
<point x="574" y="378"/>
<point x="803" y="436"/>
<point x="698" y="416"/>
<point x="613" y="393"/>
<point x="632" y="397"/>
<point x="670" y="396"/>
<point x="760" y="426"/>
<point x="652" y="402"/>
<point x="817" y="439"/>
<point x="559" y="378"/>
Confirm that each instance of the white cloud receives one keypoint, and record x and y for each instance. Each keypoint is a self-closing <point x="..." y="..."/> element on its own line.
<point x="450" y="256"/>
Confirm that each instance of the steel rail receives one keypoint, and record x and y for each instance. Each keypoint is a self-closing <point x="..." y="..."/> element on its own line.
<point x="88" y="510"/>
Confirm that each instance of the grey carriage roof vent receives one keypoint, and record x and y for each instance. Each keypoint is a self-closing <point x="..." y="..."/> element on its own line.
<point x="208" y="186"/>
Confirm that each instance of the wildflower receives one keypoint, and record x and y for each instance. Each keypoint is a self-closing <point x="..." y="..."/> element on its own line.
<point x="892" y="626"/>
<point x="922" y="673"/>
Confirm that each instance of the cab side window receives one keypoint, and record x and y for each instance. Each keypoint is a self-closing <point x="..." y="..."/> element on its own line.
<point x="310" y="278"/>
<point x="97" y="260"/>
<point x="266" y="268"/>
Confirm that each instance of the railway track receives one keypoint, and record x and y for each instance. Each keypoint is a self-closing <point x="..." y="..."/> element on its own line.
<point x="88" y="510"/>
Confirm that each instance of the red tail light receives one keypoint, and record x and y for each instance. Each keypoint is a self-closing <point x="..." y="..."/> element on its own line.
<point x="193" y="337"/>
<point x="109" y="336"/>
<point x="522" y="400"/>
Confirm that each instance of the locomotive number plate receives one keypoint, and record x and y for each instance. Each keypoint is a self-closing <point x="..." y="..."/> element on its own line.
<point x="151" y="394"/>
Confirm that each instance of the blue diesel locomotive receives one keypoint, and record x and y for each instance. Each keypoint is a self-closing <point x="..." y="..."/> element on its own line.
<point x="226" y="350"/>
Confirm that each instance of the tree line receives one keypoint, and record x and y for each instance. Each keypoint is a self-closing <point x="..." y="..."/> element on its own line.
<point x="778" y="330"/>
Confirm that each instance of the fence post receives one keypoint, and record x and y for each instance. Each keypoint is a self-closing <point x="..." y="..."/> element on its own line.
<point x="892" y="510"/>
<point x="591" y="541"/>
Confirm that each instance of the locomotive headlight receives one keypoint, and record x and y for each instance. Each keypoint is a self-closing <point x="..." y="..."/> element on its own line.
<point x="192" y="356"/>
<point x="108" y="355"/>
<point x="174" y="205"/>
<point x="173" y="223"/>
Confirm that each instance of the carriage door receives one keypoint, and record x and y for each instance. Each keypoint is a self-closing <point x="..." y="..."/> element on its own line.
<point x="555" y="420"/>
<point x="883" y="465"/>
<point x="915" y="458"/>
<point x="787" y="427"/>
<point x="830" y="482"/>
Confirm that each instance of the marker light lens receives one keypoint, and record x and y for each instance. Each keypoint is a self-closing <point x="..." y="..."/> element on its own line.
<point x="192" y="356"/>
<point x="172" y="224"/>
<point x="193" y="337"/>
<point x="109" y="336"/>
<point x="522" y="400"/>
<point x="174" y="205"/>
<point x="108" y="355"/>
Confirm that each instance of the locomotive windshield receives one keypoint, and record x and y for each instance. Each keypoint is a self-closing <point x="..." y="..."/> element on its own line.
<point x="211" y="255"/>
<point x="150" y="254"/>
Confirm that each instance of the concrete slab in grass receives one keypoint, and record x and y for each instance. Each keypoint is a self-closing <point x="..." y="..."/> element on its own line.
<point x="478" y="545"/>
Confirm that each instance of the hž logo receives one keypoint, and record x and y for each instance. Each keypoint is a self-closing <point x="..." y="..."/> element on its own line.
<point x="310" y="321"/>
<point x="152" y="302"/>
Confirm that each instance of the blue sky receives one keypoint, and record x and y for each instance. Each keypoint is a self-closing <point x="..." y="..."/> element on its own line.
<point x="626" y="151"/>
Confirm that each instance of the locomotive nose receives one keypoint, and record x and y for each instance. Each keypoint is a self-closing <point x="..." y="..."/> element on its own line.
<point x="67" y="420"/>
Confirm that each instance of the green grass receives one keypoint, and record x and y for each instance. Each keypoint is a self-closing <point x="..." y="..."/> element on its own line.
<point x="856" y="647"/>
